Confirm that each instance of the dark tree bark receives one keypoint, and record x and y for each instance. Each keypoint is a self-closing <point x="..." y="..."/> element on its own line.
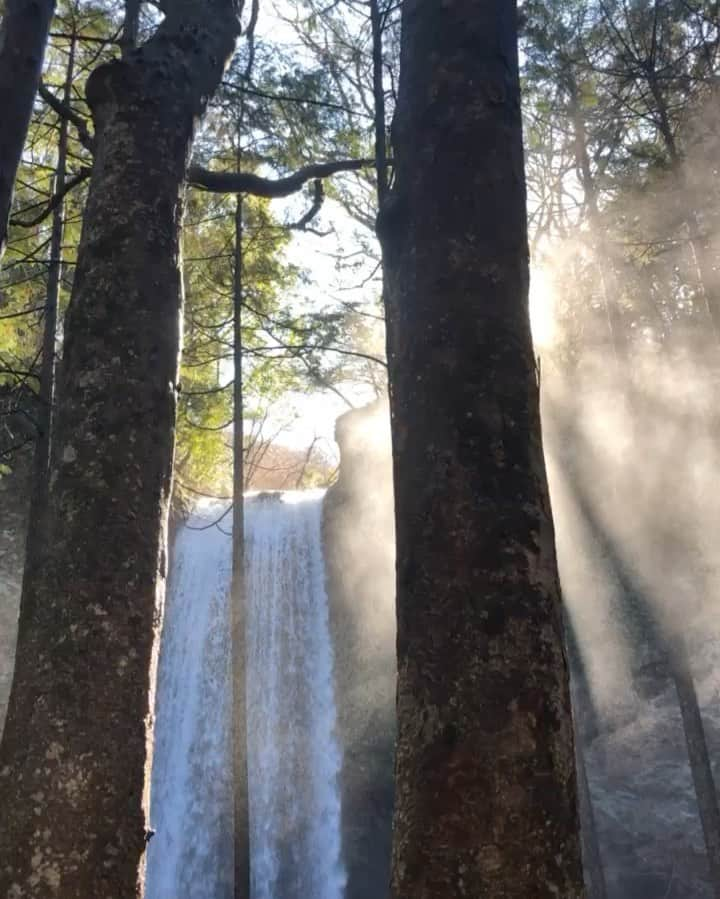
<point x="486" y="800"/>
<point x="78" y="740"/>
<point x="23" y="37"/>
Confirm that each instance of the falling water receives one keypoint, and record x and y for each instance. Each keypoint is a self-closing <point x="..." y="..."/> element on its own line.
<point x="293" y="756"/>
<point x="190" y="854"/>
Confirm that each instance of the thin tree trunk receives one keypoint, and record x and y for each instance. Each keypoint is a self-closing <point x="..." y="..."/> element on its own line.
<point x="584" y="712"/>
<point x="604" y="261"/>
<point x="381" y="165"/>
<point x="23" y="38"/>
<point x="52" y="298"/>
<point x="699" y="758"/>
<point x="592" y="860"/>
<point x="698" y="245"/>
<point x="486" y="795"/>
<point x="240" y="772"/>
<point x="706" y="274"/>
<point x="131" y="26"/>
<point x="78" y="737"/>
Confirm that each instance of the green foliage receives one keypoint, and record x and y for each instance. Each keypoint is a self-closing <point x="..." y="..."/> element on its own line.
<point x="620" y="149"/>
<point x="273" y="117"/>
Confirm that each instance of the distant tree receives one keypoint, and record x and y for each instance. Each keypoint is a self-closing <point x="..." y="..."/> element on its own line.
<point x="486" y="799"/>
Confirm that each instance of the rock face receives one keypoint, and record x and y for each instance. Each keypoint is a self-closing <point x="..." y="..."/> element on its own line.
<point x="360" y="562"/>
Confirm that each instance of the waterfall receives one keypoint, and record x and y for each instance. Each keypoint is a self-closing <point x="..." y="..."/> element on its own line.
<point x="293" y="755"/>
<point x="190" y="854"/>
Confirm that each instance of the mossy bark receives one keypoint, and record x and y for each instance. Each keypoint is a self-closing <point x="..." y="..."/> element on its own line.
<point x="77" y="742"/>
<point x="485" y="797"/>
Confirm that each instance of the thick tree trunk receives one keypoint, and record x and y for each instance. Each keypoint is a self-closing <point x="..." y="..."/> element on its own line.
<point x="78" y="739"/>
<point x="486" y="798"/>
<point x="23" y="37"/>
<point x="240" y="772"/>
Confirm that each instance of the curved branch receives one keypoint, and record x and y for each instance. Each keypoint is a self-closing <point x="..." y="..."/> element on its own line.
<point x="206" y="527"/>
<point x="249" y="183"/>
<point x="318" y="200"/>
<point x="54" y="201"/>
<point x="66" y="112"/>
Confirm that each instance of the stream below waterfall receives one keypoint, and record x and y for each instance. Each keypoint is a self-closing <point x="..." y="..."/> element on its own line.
<point x="294" y="758"/>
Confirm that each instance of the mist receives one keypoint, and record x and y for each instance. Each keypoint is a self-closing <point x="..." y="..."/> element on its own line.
<point x="628" y="362"/>
<point x="359" y="544"/>
<point x="630" y="430"/>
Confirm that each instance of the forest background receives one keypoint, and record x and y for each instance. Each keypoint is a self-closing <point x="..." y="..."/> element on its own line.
<point x="621" y="128"/>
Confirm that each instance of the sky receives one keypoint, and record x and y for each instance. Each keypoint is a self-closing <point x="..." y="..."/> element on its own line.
<point x="313" y="414"/>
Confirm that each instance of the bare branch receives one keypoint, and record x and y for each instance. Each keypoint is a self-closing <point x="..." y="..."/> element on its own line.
<point x="64" y="110"/>
<point x="54" y="202"/>
<point x="318" y="200"/>
<point x="249" y="183"/>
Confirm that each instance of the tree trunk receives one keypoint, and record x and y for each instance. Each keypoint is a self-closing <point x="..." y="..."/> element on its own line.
<point x="381" y="163"/>
<point x="698" y="244"/>
<point x="23" y="37"/>
<point x="592" y="860"/>
<point x="52" y="299"/>
<point x="584" y="713"/>
<point x="605" y="262"/>
<point x="702" y="258"/>
<point x="78" y="737"/>
<point x="698" y="756"/>
<point x="486" y="799"/>
<point x="131" y="26"/>
<point x="240" y="773"/>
